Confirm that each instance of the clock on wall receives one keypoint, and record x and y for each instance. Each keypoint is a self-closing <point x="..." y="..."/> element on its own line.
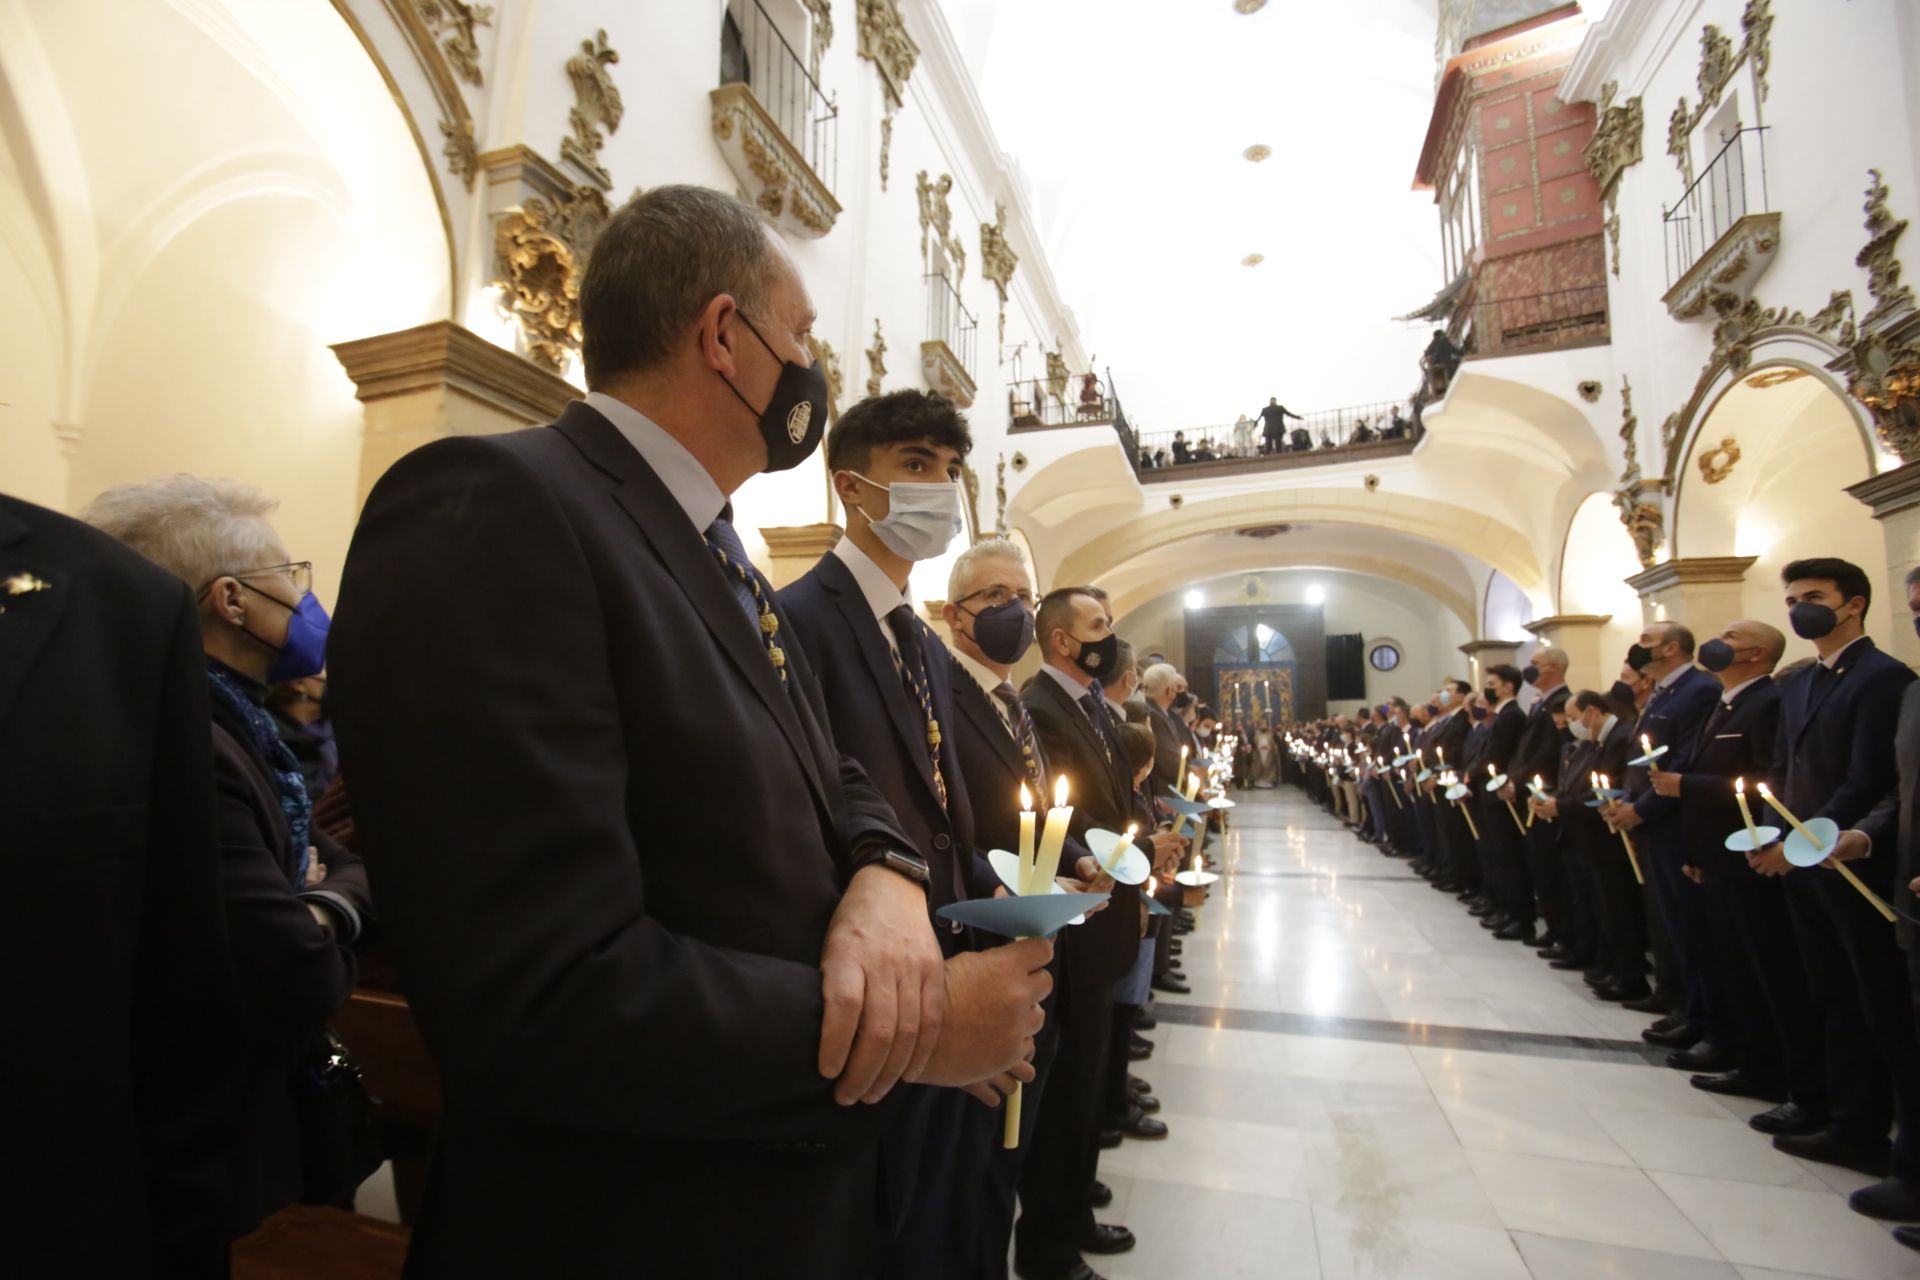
<point x="1383" y="657"/>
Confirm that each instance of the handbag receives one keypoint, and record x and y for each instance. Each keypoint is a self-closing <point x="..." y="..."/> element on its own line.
<point x="339" y="1147"/>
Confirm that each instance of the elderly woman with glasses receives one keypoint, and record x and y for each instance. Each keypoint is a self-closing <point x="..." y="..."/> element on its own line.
<point x="296" y="901"/>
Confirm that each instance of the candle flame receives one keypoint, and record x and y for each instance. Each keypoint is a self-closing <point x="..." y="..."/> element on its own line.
<point x="1539" y="782"/>
<point x="1132" y="828"/>
<point x="1761" y="787"/>
<point x="1594" y="778"/>
<point x="1060" y="792"/>
<point x="1606" y="782"/>
<point x="1193" y="780"/>
<point x="1026" y="798"/>
<point x="1646" y="744"/>
<point x="1740" y="786"/>
<point x="1196" y="863"/>
<point x="1492" y="772"/>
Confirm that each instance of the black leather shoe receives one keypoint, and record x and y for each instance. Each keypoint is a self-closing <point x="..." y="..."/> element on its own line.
<point x="1139" y="1053"/>
<point x="1652" y="1002"/>
<point x="1101" y="1197"/>
<point x="1139" y="1041"/>
<point x="1146" y="1102"/>
<point x="1497" y="921"/>
<point x="1172" y="985"/>
<point x="1175" y="972"/>
<point x="1826" y="1149"/>
<point x="1136" y="1085"/>
<point x="1626" y="997"/>
<point x="1669" y="1022"/>
<point x="1139" y="1124"/>
<point x="1106" y="1238"/>
<point x="1186" y="916"/>
<point x="1790" y="1118"/>
<point x="1518" y="931"/>
<point x="1109" y="1139"/>
<point x="1145" y="1022"/>
<point x="1735" y="1084"/>
<point x="1597" y="977"/>
<point x="1908" y="1236"/>
<point x="1548" y="942"/>
<point x="1678" y="1038"/>
<point x="1893" y="1199"/>
<point x="1705" y="1056"/>
<point x="1567" y="964"/>
<point x="1078" y="1271"/>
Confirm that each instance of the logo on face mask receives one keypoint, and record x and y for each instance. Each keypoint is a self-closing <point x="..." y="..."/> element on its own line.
<point x="797" y="421"/>
<point x="789" y="427"/>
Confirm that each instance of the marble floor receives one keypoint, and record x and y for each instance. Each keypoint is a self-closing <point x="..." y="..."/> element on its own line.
<point x="1363" y="1083"/>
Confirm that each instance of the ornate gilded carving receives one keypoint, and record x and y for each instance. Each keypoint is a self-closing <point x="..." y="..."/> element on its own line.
<point x="1731" y="266"/>
<point x="936" y="215"/>
<point x="886" y="146"/>
<point x="945" y="373"/>
<point x="1679" y="130"/>
<point x="539" y="251"/>
<point x="822" y="11"/>
<point x="1057" y="372"/>
<point x="876" y="360"/>
<point x="462" y="150"/>
<point x="1616" y="142"/>
<point x="1629" y="434"/>
<point x="970" y="485"/>
<point x="1883" y="366"/>
<point x="1716" y="64"/>
<point x="1882" y="267"/>
<point x="1740" y="322"/>
<point x="1590" y="391"/>
<point x="829" y="362"/>
<point x="1000" y="496"/>
<point x="1776" y="378"/>
<point x="777" y="177"/>
<point x="1644" y="519"/>
<point x="596" y="106"/>
<point x="452" y="23"/>
<point x="998" y="261"/>
<point x="1757" y="43"/>
<point x="1612" y="225"/>
<point x="1646" y="525"/>
<point x="885" y="43"/>
<point x="1716" y="464"/>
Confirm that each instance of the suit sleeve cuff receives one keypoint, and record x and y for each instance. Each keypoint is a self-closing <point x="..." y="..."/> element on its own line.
<point x="349" y="930"/>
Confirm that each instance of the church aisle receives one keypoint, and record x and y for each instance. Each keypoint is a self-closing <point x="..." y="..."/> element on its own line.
<point x="1363" y="1083"/>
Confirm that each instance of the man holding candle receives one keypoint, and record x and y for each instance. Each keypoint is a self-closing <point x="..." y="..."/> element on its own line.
<point x="1538" y="755"/>
<point x="1501" y="833"/>
<point x="1620" y="969"/>
<point x="662" y="938"/>
<point x="1444" y="740"/>
<point x="1834" y="758"/>
<point x="1777" y="1042"/>
<point x="1677" y="709"/>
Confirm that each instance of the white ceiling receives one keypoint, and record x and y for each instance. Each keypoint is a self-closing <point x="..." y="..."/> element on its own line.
<point x="1127" y="120"/>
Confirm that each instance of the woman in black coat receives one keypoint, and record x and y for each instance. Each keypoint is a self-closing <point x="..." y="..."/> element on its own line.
<point x="296" y="902"/>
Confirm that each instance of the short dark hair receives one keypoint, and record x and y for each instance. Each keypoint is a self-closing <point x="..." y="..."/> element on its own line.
<point x="1507" y="672"/>
<point x="657" y="263"/>
<point x="1850" y="578"/>
<point x="1460" y="687"/>
<point x="1122" y="659"/>
<point x="1913" y="575"/>
<point x="1593" y="700"/>
<point x="896" y="417"/>
<point x="1677" y="633"/>
<point x="1055" y="611"/>
<point x="1136" y="744"/>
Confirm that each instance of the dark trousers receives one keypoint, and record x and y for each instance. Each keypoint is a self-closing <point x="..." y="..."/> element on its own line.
<point x="1779" y="1036"/>
<point x="986" y="1162"/>
<point x="1623" y="914"/>
<point x="1058" y="1177"/>
<point x="1504" y="858"/>
<point x="1857" y="977"/>
<point x="928" y="1134"/>
<point x="1683" y="910"/>
<point x="1547" y="870"/>
<point x="1113" y="1088"/>
<point x="1579" y="926"/>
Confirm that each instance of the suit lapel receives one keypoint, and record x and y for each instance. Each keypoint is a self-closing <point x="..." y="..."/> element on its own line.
<point x="1820" y="687"/>
<point x="907" y="721"/>
<point x="1083" y="727"/>
<point x="28" y="610"/>
<point x="665" y="526"/>
<point x="976" y="705"/>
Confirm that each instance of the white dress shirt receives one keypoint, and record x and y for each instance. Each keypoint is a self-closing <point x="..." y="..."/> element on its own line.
<point x="689" y="483"/>
<point x="881" y="595"/>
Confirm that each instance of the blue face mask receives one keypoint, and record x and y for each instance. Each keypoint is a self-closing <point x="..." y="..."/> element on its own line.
<point x="305" y="652"/>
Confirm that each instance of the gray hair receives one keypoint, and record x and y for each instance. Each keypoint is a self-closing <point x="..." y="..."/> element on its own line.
<point x="194" y="528"/>
<point x="1122" y="660"/>
<point x="1552" y="655"/>
<point x="1159" y="678"/>
<point x="656" y="265"/>
<point x="969" y="561"/>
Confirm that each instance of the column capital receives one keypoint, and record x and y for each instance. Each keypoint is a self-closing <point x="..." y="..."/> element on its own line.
<point x="1474" y="648"/>
<point x="1687" y="572"/>
<point x="443" y="354"/>
<point x="792" y="549"/>
<point x="1890" y="492"/>
<point x="1561" y="621"/>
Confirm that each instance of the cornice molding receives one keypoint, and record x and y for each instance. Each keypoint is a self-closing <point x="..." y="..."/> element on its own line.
<point x="1611" y="42"/>
<point x="1890" y="492"/>
<point x="1474" y="648"/>
<point x="443" y="354"/>
<point x="813" y="540"/>
<point x="1692" y="571"/>
<point x="1540" y="626"/>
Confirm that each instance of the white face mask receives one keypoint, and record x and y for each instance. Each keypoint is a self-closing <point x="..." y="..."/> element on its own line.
<point x="921" y="520"/>
<point x="1446" y="698"/>
<point x="1579" y="730"/>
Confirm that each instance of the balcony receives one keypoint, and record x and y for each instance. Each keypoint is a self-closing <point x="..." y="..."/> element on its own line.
<point x="946" y="357"/>
<point x="1556" y="321"/>
<point x="1721" y="237"/>
<point x="779" y="133"/>
<point x="1067" y="400"/>
<point x="1356" y="433"/>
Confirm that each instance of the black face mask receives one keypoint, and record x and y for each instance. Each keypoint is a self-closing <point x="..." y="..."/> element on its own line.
<point x="1479" y="713"/>
<point x="1433" y="709"/>
<point x="1531" y="675"/>
<point x="1716" y="655"/>
<point x="1492" y="695"/>
<point x="1639" y="656"/>
<point x="1097" y="657"/>
<point x="796" y="417"/>
<point x="1812" y="621"/>
<point x="1004" y="632"/>
<point x="1622" y="693"/>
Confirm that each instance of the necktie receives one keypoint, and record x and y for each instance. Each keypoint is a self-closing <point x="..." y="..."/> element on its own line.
<point x="1096" y="708"/>
<point x="748" y="588"/>
<point x="1022" y="725"/>
<point x="912" y="659"/>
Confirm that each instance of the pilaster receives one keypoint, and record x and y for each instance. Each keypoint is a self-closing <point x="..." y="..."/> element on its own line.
<point x="1578" y="634"/>
<point x="1894" y="498"/>
<point x="1482" y="654"/>
<point x="1702" y="592"/>
<point x="794" y="549"/>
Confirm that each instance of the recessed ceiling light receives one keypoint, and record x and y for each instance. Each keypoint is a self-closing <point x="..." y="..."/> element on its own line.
<point x="1253" y="259"/>
<point x="1194" y="600"/>
<point x="1249" y="6"/>
<point x="1257" y="152"/>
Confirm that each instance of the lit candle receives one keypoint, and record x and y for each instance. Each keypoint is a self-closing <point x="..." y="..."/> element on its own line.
<point x="1193" y="785"/>
<point x="1767" y="795"/>
<point x="1182" y="770"/>
<point x="1845" y="870"/>
<point x="1746" y="814"/>
<point x="1027" y="818"/>
<point x="1646" y="745"/>
<point x="1047" y="861"/>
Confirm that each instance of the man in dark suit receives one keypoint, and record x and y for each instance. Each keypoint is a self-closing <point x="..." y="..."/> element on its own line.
<point x="1776" y="1054"/>
<point x="1504" y="842"/>
<point x="1162" y="684"/>
<point x="1683" y="697"/>
<point x="125" y="1015"/>
<point x="1538" y="756"/>
<point x="1273" y="425"/>
<point x="1597" y="719"/>
<point x="1565" y="788"/>
<point x="1070" y="717"/>
<point x="660" y="936"/>
<point x="1443" y="744"/>
<point x="1835" y="759"/>
<point x="896" y="464"/>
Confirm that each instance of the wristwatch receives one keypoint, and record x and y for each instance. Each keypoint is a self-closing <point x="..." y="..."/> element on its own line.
<point x="911" y="865"/>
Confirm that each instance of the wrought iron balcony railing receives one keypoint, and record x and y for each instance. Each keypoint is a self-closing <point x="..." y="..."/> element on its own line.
<point x="1071" y="400"/>
<point x="753" y="52"/>
<point x="1326" y="435"/>
<point x="1731" y="187"/>
<point x="1533" y="322"/>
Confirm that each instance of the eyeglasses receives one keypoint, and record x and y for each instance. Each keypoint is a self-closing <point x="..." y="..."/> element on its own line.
<point x="998" y="595"/>
<point x="299" y="572"/>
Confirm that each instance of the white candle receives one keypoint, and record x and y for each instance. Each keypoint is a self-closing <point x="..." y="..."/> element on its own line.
<point x="1047" y="861"/>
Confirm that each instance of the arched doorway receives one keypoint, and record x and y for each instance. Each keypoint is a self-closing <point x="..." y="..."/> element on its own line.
<point x="1253" y="674"/>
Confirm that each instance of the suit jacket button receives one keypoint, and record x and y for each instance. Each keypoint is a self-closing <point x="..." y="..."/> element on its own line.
<point x="942" y="841"/>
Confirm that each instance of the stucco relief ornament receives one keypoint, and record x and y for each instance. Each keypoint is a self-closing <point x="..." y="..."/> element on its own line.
<point x="829" y="361"/>
<point x="596" y="106"/>
<point x="1629" y="434"/>
<point x="883" y="41"/>
<point x="876" y="361"/>
<point x="1716" y="464"/>
<point x="822" y="11"/>
<point x="1883" y="367"/>
<point x="935" y="213"/>
<point x="1057" y="372"/>
<point x="462" y="150"/>
<point x="1645" y="525"/>
<point x="1679" y="130"/>
<point x="539" y="250"/>
<point x="1000" y="496"/>
<point x="1882" y="267"/>
<point x="454" y="22"/>
<point x="1716" y="64"/>
<point x="998" y="261"/>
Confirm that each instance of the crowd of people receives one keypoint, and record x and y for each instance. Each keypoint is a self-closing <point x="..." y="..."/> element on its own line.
<point x="1274" y="438"/>
<point x="661" y="858"/>
<point x="1715" y="840"/>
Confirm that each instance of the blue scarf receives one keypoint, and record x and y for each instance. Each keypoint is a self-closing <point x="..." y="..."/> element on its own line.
<point x="223" y="686"/>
